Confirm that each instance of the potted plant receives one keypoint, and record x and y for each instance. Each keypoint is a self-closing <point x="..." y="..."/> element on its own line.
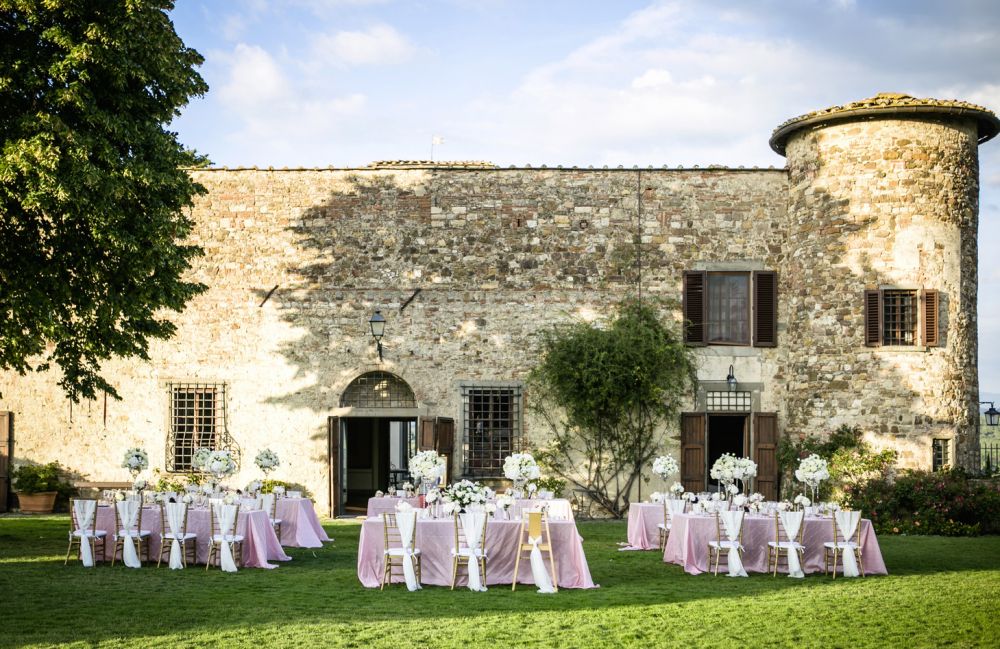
<point x="37" y="486"/>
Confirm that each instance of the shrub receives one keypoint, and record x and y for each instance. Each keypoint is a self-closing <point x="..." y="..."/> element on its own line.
<point x="39" y="478"/>
<point x="852" y="461"/>
<point x="921" y="502"/>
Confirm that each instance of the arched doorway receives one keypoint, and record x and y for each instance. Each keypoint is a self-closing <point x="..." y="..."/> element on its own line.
<point x="377" y="436"/>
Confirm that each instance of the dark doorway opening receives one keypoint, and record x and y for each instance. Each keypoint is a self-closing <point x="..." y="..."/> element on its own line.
<point x="376" y="451"/>
<point x="726" y="434"/>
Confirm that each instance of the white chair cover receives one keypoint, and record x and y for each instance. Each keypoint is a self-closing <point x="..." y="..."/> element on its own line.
<point x="792" y="521"/>
<point x="538" y="571"/>
<point x="175" y="520"/>
<point x="85" y="510"/>
<point x="407" y="523"/>
<point x="226" y="517"/>
<point x="847" y="523"/>
<point x="128" y="512"/>
<point x="732" y="522"/>
<point x="472" y="523"/>
<point x="675" y="506"/>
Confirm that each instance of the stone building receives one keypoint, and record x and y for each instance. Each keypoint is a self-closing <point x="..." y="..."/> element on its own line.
<point x="839" y="290"/>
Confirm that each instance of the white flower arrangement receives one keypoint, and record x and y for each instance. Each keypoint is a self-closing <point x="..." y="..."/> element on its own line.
<point x="187" y="499"/>
<point x="139" y="484"/>
<point x="812" y="471"/>
<point x="466" y="493"/>
<point x="531" y="488"/>
<point x="677" y="489"/>
<point x="521" y="467"/>
<point x="407" y="487"/>
<point x="732" y="489"/>
<point x="135" y="460"/>
<point x="783" y="506"/>
<point x="490" y="508"/>
<point x="267" y="460"/>
<point x="656" y="497"/>
<point x="220" y="463"/>
<point x="690" y="496"/>
<point x="450" y="508"/>
<point x="739" y="500"/>
<point x="432" y="496"/>
<point x="119" y="495"/>
<point x="716" y="497"/>
<point x="278" y="489"/>
<point x="200" y="458"/>
<point x="665" y="466"/>
<point x="729" y="468"/>
<point x="505" y="501"/>
<point x="427" y="465"/>
<point x="208" y="488"/>
<point x="802" y="500"/>
<point x="254" y="486"/>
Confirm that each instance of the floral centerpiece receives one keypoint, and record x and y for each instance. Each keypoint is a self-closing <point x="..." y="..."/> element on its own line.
<point x="254" y="486"/>
<point x="139" y="485"/>
<point x="135" y="460"/>
<point x="812" y="471"/>
<point x="729" y="468"/>
<point x="267" y="461"/>
<point x="465" y="493"/>
<point x="427" y="467"/>
<point x="408" y="489"/>
<point x="520" y="468"/>
<point x="802" y="501"/>
<point x="504" y="502"/>
<point x="220" y="464"/>
<point x="199" y="458"/>
<point x="676" y="490"/>
<point x="665" y="466"/>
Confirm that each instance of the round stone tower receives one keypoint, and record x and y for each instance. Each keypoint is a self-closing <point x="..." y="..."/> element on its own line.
<point x="880" y="284"/>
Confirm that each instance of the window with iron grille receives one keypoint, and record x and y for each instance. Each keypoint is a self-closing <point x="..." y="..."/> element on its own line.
<point x="197" y="420"/>
<point x="941" y="454"/>
<point x="378" y="390"/>
<point x="899" y="317"/>
<point x="491" y="428"/>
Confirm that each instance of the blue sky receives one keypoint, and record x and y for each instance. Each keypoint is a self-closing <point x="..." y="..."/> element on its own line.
<point x="578" y="82"/>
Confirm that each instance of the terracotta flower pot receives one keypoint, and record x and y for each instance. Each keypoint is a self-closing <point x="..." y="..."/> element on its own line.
<point x="37" y="503"/>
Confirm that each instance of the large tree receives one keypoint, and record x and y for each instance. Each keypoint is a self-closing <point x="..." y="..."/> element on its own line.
<point x="92" y="184"/>
<point x="607" y="394"/>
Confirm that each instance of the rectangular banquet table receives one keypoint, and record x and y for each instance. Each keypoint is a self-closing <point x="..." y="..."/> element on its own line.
<point x="260" y="543"/>
<point x="300" y="526"/>
<point x="387" y="504"/>
<point x="435" y="538"/>
<point x="643" y="518"/>
<point x="687" y="544"/>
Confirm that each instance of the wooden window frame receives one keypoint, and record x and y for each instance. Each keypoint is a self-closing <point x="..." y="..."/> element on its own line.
<point x="748" y="316"/>
<point x="485" y="460"/>
<point x="761" y="316"/>
<point x="926" y="325"/>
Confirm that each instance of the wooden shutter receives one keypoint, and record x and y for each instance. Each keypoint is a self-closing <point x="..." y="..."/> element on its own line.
<point x="695" y="307"/>
<point x="6" y="451"/>
<point x="765" y="453"/>
<point x="930" y="315"/>
<point x="693" y="426"/>
<point x="333" y="456"/>
<point x="425" y="436"/>
<point x="446" y="440"/>
<point x="765" y="308"/>
<point x="873" y="318"/>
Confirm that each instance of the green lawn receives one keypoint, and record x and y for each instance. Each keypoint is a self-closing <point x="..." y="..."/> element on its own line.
<point x="940" y="592"/>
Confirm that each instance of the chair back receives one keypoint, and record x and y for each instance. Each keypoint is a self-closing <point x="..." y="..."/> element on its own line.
<point x="269" y="503"/>
<point x="736" y="520"/>
<point x="253" y="503"/>
<point x="83" y="515"/>
<point x="181" y="509"/>
<point x="535" y="524"/>
<point x="217" y="517"/>
<point x="128" y="516"/>
<point x="461" y="537"/>
<point x="780" y="520"/>
<point x="839" y="532"/>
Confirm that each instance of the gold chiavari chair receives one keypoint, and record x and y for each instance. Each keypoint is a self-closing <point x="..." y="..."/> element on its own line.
<point x="77" y="533"/>
<point x="777" y="546"/>
<point x="394" y="552"/>
<point x="215" y="540"/>
<point x="135" y="535"/>
<point x="462" y="553"/>
<point x="535" y="526"/>
<point x="668" y="519"/>
<point x="187" y="540"/>
<point x="721" y="543"/>
<point x="835" y="548"/>
<point x="269" y="503"/>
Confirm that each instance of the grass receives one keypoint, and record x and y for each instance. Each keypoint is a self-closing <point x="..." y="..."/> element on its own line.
<point x="940" y="592"/>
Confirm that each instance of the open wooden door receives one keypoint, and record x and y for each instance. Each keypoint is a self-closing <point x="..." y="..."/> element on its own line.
<point x="438" y="434"/>
<point x="765" y="453"/>
<point x="6" y="452"/>
<point x="333" y="456"/>
<point x="693" y="438"/>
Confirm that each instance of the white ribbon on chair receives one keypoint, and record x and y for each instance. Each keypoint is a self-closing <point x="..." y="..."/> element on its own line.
<point x="732" y="522"/>
<point x="128" y="513"/>
<point x="676" y="506"/>
<point x="407" y="523"/>
<point x="472" y="523"/>
<point x="847" y="523"/>
<point x="792" y="521"/>
<point x="85" y="510"/>
<point x="538" y="571"/>
<point x="226" y="515"/>
<point x="175" y="520"/>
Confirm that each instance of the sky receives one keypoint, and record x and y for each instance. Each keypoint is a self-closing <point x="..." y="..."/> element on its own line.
<point x="578" y="82"/>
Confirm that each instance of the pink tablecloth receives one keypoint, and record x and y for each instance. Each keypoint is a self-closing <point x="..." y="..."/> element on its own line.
<point x="387" y="504"/>
<point x="435" y="539"/>
<point x="300" y="526"/>
<point x="260" y="544"/>
<point x="687" y="544"/>
<point x="643" y="518"/>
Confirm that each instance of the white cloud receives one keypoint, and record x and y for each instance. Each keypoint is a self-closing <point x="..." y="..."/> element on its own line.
<point x="378" y="45"/>
<point x="254" y="78"/>
<point x="652" y="78"/>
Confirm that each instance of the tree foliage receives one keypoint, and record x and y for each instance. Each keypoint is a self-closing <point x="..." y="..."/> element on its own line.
<point x="606" y="394"/>
<point x="92" y="184"/>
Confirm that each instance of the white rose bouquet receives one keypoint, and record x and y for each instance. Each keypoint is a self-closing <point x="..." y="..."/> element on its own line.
<point x="677" y="489"/>
<point x="221" y="464"/>
<point x="656" y="497"/>
<point x="812" y="471"/>
<point x="267" y="461"/>
<point x="200" y="458"/>
<point x="254" y="486"/>
<point x="521" y="467"/>
<point x="135" y="460"/>
<point x="432" y="496"/>
<point x="427" y="466"/>
<point x="665" y="466"/>
<point x="690" y="496"/>
<point x="139" y="484"/>
<point x="505" y="501"/>
<point x="466" y="493"/>
<point x="802" y="501"/>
